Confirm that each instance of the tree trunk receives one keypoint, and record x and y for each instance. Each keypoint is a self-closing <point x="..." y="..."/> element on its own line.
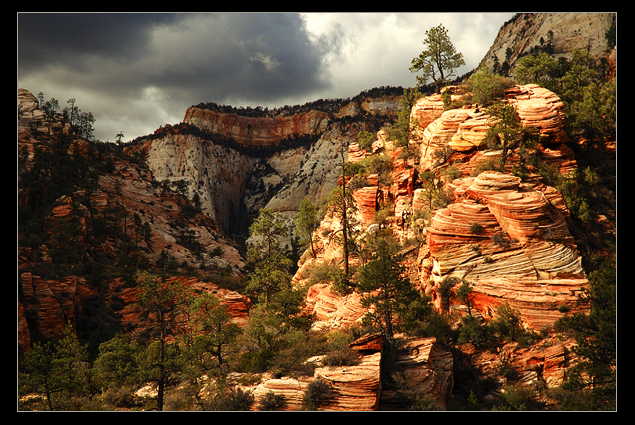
<point x="344" y="219"/>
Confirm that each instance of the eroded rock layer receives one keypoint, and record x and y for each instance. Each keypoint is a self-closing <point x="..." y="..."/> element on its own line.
<point x="512" y="244"/>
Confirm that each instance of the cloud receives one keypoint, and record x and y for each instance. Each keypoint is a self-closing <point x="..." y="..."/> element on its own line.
<point x="138" y="71"/>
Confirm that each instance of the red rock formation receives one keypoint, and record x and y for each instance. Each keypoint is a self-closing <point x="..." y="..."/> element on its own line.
<point x="427" y="365"/>
<point x="238" y="305"/>
<point x="49" y="305"/>
<point x="366" y="201"/>
<point x="332" y="311"/>
<point x="354" y="388"/>
<point x="542" y="364"/>
<point x="533" y="265"/>
<point x="540" y="108"/>
<point x="463" y="130"/>
<point x="257" y="131"/>
<point x="355" y="153"/>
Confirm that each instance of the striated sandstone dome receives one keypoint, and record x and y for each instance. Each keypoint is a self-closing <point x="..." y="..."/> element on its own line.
<point x="522" y="254"/>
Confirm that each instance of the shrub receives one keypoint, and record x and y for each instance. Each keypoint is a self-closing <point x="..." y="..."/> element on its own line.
<point x="365" y="140"/>
<point x="318" y="392"/>
<point x="476" y="228"/>
<point x="486" y="86"/>
<point x="344" y="356"/>
<point x="499" y="239"/>
<point x="272" y="401"/>
<point x="486" y="165"/>
<point x="233" y="400"/>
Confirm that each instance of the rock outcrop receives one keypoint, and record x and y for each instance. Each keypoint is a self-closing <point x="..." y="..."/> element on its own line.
<point x="234" y="182"/>
<point x="508" y="237"/>
<point x="512" y="244"/>
<point x="464" y="130"/>
<point x="562" y="32"/>
<point x="427" y="366"/>
<point x="257" y="131"/>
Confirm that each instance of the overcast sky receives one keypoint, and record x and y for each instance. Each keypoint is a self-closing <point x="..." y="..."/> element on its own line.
<point x="137" y="72"/>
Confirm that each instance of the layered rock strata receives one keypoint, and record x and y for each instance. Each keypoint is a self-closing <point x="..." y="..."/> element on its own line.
<point x="512" y="244"/>
<point x="464" y="130"/>
<point x="257" y="131"/>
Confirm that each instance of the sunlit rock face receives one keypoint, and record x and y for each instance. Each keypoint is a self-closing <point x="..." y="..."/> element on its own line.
<point x="257" y="131"/>
<point x="464" y="129"/>
<point x="512" y="244"/>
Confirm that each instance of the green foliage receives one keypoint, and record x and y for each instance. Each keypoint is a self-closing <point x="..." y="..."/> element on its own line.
<point x="117" y="364"/>
<point x="365" y="140"/>
<point x="59" y="370"/>
<point x="271" y="402"/>
<point x="341" y="203"/>
<point x="476" y="228"/>
<point x="486" y="165"/>
<point x="595" y="334"/>
<point x="163" y="306"/>
<point x="307" y="222"/>
<point x="519" y="398"/>
<point x="232" y="399"/>
<point x="578" y="188"/>
<point x="399" y="131"/>
<point x="440" y="59"/>
<point x="317" y="393"/>
<point x="381" y="283"/>
<point x="485" y="86"/>
<point x="582" y="84"/>
<point x="213" y="337"/>
<point x="270" y="329"/>
<point x="507" y="133"/>
<point x="475" y="332"/>
<point x="538" y="69"/>
<point x="343" y="356"/>
<point x="465" y="295"/>
<point x="444" y="290"/>
<point x="507" y="326"/>
<point x="271" y="266"/>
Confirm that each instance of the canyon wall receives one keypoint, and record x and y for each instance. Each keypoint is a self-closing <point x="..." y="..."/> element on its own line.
<point x="507" y="236"/>
<point x="235" y="181"/>
<point x="567" y="31"/>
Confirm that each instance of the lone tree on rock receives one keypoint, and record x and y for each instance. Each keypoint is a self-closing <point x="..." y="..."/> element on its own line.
<point x="439" y="60"/>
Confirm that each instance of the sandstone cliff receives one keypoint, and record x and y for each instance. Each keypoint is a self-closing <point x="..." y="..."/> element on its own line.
<point x="47" y="302"/>
<point x="521" y="254"/>
<point x="235" y="180"/>
<point x="564" y="32"/>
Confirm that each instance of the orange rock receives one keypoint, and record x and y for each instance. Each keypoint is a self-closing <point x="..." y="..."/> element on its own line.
<point x="355" y="154"/>
<point x="534" y="264"/>
<point x="540" y="108"/>
<point x="257" y="131"/>
<point x="366" y="201"/>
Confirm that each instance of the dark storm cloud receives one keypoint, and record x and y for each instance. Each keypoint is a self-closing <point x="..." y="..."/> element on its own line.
<point x="262" y="57"/>
<point x="68" y="38"/>
<point x="138" y="71"/>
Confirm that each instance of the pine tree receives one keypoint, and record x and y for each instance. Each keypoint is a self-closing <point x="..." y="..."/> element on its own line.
<point x="439" y="61"/>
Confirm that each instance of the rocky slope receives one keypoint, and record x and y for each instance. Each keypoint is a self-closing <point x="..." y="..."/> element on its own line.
<point x="46" y="302"/>
<point x="564" y="32"/>
<point x="522" y="254"/>
<point x="257" y="168"/>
